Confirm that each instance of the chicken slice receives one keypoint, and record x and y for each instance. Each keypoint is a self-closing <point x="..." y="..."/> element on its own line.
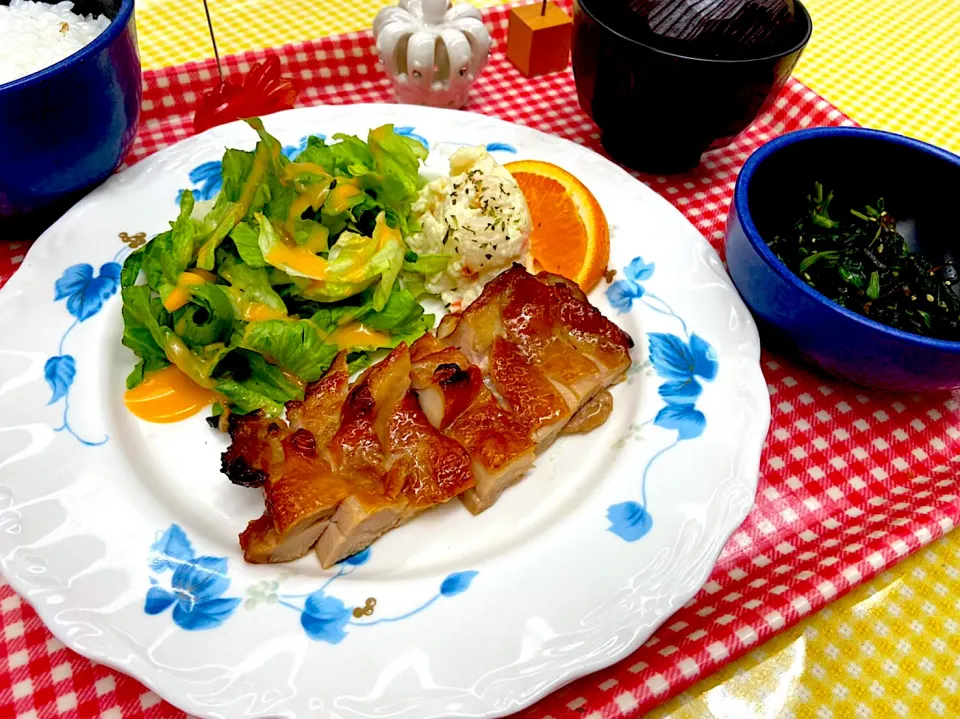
<point x="300" y="489"/>
<point x="454" y="399"/>
<point x="431" y="468"/>
<point x="300" y="497"/>
<point x="445" y="380"/>
<point x="319" y="411"/>
<point x="514" y="334"/>
<point x="261" y="545"/>
<point x="427" y="345"/>
<point x="548" y="354"/>
<point x="307" y="491"/>
<point x="474" y="330"/>
<point x="428" y="468"/>
<point x="498" y="446"/>
<point x="533" y="399"/>
<point x="594" y="335"/>
<point x="531" y="320"/>
<point x="355" y="526"/>
<point x="356" y="447"/>
<point x="375" y="503"/>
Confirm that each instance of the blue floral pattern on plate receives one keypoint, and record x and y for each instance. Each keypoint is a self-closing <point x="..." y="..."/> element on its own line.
<point x="196" y="584"/>
<point x="206" y="180"/>
<point x="683" y="362"/>
<point x="196" y="587"/>
<point x="85" y="292"/>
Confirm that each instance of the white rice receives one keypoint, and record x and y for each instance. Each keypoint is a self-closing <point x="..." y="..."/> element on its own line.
<point x="35" y="35"/>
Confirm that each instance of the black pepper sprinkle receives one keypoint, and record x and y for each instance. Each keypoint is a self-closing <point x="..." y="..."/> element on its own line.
<point x="489" y="257"/>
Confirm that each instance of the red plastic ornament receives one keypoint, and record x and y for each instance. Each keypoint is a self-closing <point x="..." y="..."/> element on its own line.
<point x="261" y="91"/>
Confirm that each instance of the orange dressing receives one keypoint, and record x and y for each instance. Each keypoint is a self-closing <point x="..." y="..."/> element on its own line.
<point x="298" y="259"/>
<point x="205" y="274"/>
<point x="382" y="232"/>
<point x="318" y="239"/>
<point x="168" y="395"/>
<point x="181" y="293"/>
<point x="293" y="170"/>
<point x="258" y="312"/>
<point x="339" y="197"/>
<point x="356" y="335"/>
<point x="312" y="197"/>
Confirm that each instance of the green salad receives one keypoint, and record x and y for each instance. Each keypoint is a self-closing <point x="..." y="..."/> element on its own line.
<point x="294" y="261"/>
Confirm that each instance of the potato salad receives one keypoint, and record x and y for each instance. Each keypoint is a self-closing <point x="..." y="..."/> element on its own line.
<point x="477" y="219"/>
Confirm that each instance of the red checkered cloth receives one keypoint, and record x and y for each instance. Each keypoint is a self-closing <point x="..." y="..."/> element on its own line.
<point x="851" y="480"/>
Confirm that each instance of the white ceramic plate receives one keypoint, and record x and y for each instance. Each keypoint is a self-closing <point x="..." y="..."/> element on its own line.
<point x="123" y="534"/>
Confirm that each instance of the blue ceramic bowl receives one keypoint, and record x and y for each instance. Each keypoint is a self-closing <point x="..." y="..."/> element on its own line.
<point x="67" y="127"/>
<point x="919" y="184"/>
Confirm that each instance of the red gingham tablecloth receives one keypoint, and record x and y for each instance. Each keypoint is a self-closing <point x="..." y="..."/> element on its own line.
<point x="851" y="480"/>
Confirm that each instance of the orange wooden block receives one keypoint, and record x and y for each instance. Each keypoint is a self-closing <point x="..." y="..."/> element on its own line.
<point x="538" y="44"/>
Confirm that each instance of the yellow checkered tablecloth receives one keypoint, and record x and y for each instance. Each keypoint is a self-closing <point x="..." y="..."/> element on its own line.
<point x="892" y="647"/>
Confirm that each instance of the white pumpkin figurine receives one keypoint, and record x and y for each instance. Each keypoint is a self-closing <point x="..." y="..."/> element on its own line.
<point x="432" y="51"/>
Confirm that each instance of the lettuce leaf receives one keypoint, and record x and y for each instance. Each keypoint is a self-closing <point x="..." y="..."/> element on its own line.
<point x="317" y="152"/>
<point x="247" y="241"/>
<point x="144" y="316"/>
<point x="348" y="157"/>
<point x="345" y="203"/>
<point x="356" y="263"/>
<point x="168" y="254"/>
<point x="183" y="233"/>
<point x="250" y="181"/>
<point x="328" y="319"/>
<point x="402" y="317"/>
<point x="252" y="283"/>
<point x="352" y="155"/>
<point x="207" y="318"/>
<point x="257" y="385"/>
<point x="356" y="361"/>
<point x="274" y="150"/>
<point x="235" y="168"/>
<point x="296" y="347"/>
<point x="401" y="314"/>
<point x="153" y="253"/>
<point x="379" y="174"/>
<point x="312" y="234"/>
<point x="131" y="267"/>
<point x="218" y="223"/>
<point x="427" y="265"/>
<point x="397" y="156"/>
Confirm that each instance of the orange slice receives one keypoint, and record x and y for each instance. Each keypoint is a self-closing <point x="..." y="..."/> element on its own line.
<point x="570" y="235"/>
